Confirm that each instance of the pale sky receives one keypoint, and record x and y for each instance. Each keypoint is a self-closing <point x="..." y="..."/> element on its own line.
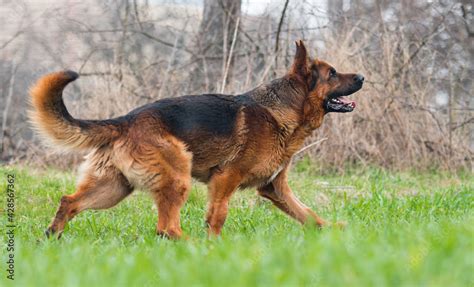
<point x="255" y="7"/>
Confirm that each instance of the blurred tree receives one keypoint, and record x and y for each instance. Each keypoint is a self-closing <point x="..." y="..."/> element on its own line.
<point x="335" y="15"/>
<point x="213" y="42"/>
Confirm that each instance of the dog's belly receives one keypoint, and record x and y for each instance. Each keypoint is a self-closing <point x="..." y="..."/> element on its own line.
<point x="203" y="170"/>
<point x="260" y="173"/>
<point x="250" y="180"/>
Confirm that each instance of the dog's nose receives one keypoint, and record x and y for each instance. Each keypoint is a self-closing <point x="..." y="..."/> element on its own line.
<point x="359" y="78"/>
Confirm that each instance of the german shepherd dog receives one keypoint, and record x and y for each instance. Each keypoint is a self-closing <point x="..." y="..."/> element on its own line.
<point x="226" y="141"/>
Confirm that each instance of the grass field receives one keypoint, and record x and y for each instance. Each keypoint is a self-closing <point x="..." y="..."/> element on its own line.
<point x="404" y="229"/>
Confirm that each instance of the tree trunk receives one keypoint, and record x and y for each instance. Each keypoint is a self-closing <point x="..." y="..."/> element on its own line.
<point x="213" y="44"/>
<point x="335" y="15"/>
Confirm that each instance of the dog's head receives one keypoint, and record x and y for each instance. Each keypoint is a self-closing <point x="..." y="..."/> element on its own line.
<point x="327" y="89"/>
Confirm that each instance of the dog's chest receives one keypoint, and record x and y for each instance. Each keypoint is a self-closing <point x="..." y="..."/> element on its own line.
<point x="268" y="168"/>
<point x="262" y="176"/>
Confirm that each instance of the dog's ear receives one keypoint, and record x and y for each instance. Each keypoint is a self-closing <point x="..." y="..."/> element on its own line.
<point x="301" y="61"/>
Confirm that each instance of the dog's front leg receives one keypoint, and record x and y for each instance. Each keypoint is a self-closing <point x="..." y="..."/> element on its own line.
<point x="221" y="187"/>
<point x="280" y="193"/>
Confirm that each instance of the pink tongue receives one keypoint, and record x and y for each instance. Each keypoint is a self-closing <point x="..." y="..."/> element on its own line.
<point x="346" y="101"/>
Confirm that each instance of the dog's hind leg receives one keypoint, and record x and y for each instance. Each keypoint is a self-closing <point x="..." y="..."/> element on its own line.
<point x="165" y="169"/>
<point x="93" y="192"/>
<point x="280" y="194"/>
<point x="170" y="197"/>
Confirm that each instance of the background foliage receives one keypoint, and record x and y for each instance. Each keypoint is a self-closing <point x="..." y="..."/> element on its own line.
<point x="415" y="110"/>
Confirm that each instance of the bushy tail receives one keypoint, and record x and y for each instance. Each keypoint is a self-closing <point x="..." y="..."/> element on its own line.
<point x="52" y="120"/>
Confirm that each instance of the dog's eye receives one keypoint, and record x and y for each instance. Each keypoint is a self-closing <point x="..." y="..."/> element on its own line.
<point x="332" y="73"/>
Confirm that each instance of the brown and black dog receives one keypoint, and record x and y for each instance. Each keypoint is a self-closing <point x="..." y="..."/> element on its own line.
<point x="226" y="141"/>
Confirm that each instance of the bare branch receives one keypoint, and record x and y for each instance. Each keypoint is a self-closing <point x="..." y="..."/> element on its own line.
<point x="277" y="41"/>
<point x="229" y="59"/>
<point x="7" y="105"/>
<point x="16" y="35"/>
<point x="310" y="145"/>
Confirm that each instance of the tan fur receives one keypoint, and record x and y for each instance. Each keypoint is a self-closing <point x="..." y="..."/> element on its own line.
<point x="52" y="121"/>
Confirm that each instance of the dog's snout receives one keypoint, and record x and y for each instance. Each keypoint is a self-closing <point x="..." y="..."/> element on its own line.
<point x="358" y="78"/>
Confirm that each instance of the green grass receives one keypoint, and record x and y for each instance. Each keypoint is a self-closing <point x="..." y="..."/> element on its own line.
<point x="404" y="229"/>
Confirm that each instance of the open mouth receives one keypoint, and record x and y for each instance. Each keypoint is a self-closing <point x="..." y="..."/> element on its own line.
<point x="340" y="104"/>
<point x="338" y="101"/>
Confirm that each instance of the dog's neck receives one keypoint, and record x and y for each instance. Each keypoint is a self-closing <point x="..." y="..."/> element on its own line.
<point x="284" y="92"/>
<point x="283" y="98"/>
<point x="287" y="101"/>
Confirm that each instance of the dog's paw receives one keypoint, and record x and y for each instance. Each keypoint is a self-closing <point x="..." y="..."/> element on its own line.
<point x="339" y="225"/>
<point x="50" y="232"/>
